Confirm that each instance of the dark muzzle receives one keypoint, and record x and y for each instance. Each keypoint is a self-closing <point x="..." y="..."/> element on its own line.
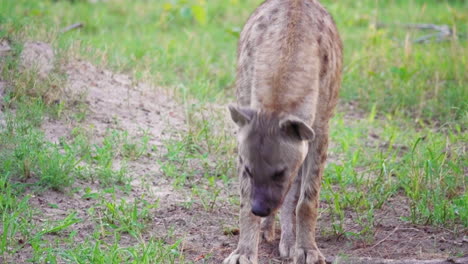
<point x="260" y="209"/>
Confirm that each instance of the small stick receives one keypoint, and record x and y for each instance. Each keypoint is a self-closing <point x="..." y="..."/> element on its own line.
<point x="353" y="260"/>
<point x="410" y="229"/>
<point x="444" y="31"/>
<point x="389" y="235"/>
<point x="72" y="27"/>
<point x="418" y="26"/>
<point x="441" y="28"/>
<point x="442" y="239"/>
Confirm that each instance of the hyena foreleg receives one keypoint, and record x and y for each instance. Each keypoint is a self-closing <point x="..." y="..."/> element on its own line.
<point x="288" y="220"/>
<point x="247" y="249"/>
<point x="307" y="208"/>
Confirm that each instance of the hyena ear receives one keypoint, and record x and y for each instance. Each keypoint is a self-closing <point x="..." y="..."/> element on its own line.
<point x="241" y="115"/>
<point x="297" y="128"/>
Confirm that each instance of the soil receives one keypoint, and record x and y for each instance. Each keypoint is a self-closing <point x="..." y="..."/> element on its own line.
<point x="116" y="101"/>
<point x="38" y="56"/>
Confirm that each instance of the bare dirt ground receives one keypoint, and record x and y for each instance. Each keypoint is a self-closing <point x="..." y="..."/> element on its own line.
<point x="115" y="101"/>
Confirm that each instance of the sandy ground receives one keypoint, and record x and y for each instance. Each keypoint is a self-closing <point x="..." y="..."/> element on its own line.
<point x="115" y="101"/>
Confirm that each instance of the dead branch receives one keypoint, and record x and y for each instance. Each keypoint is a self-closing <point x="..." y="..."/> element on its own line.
<point x="417" y="26"/>
<point x="441" y="28"/>
<point x="349" y="260"/>
<point x="442" y="239"/>
<point x="72" y="27"/>
<point x="389" y="235"/>
<point x="443" y="32"/>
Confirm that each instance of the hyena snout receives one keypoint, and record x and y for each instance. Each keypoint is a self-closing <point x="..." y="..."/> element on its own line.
<point x="263" y="204"/>
<point x="260" y="208"/>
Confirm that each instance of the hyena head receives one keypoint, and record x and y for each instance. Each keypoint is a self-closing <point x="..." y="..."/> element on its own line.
<point x="272" y="148"/>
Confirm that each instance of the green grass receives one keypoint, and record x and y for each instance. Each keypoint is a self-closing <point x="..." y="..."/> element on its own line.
<point x="387" y="158"/>
<point x="153" y="251"/>
<point x="123" y="216"/>
<point x="30" y="164"/>
<point x="149" y="39"/>
<point x="409" y="141"/>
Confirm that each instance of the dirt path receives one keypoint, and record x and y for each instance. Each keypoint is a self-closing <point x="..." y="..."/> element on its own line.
<point x="115" y="101"/>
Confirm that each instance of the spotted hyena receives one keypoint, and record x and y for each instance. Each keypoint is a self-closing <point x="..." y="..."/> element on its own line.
<point x="288" y="77"/>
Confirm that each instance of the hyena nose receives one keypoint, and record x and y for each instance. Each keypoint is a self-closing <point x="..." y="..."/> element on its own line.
<point x="260" y="210"/>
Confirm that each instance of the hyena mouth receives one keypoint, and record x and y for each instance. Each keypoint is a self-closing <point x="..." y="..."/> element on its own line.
<point x="261" y="211"/>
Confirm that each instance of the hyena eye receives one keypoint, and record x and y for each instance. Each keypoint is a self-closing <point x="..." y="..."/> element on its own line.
<point x="279" y="175"/>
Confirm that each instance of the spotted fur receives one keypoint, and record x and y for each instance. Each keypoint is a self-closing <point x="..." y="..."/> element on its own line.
<point x="288" y="76"/>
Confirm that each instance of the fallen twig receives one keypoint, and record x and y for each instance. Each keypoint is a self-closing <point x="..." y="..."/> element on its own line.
<point x="349" y="260"/>
<point x="444" y="32"/>
<point x="442" y="239"/>
<point x="389" y="235"/>
<point x="417" y="26"/>
<point x="72" y="27"/>
<point x="393" y="232"/>
<point x="445" y="28"/>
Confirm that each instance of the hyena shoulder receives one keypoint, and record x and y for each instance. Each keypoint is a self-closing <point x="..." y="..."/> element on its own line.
<point x="289" y="54"/>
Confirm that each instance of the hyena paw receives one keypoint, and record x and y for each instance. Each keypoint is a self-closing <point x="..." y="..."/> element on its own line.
<point x="238" y="257"/>
<point x="287" y="248"/>
<point x="268" y="228"/>
<point x="268" y="234"/>
<point x="308" y="256"/>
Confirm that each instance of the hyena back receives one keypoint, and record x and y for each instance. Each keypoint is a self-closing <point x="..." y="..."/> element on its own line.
<point x="288" y="77"/>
